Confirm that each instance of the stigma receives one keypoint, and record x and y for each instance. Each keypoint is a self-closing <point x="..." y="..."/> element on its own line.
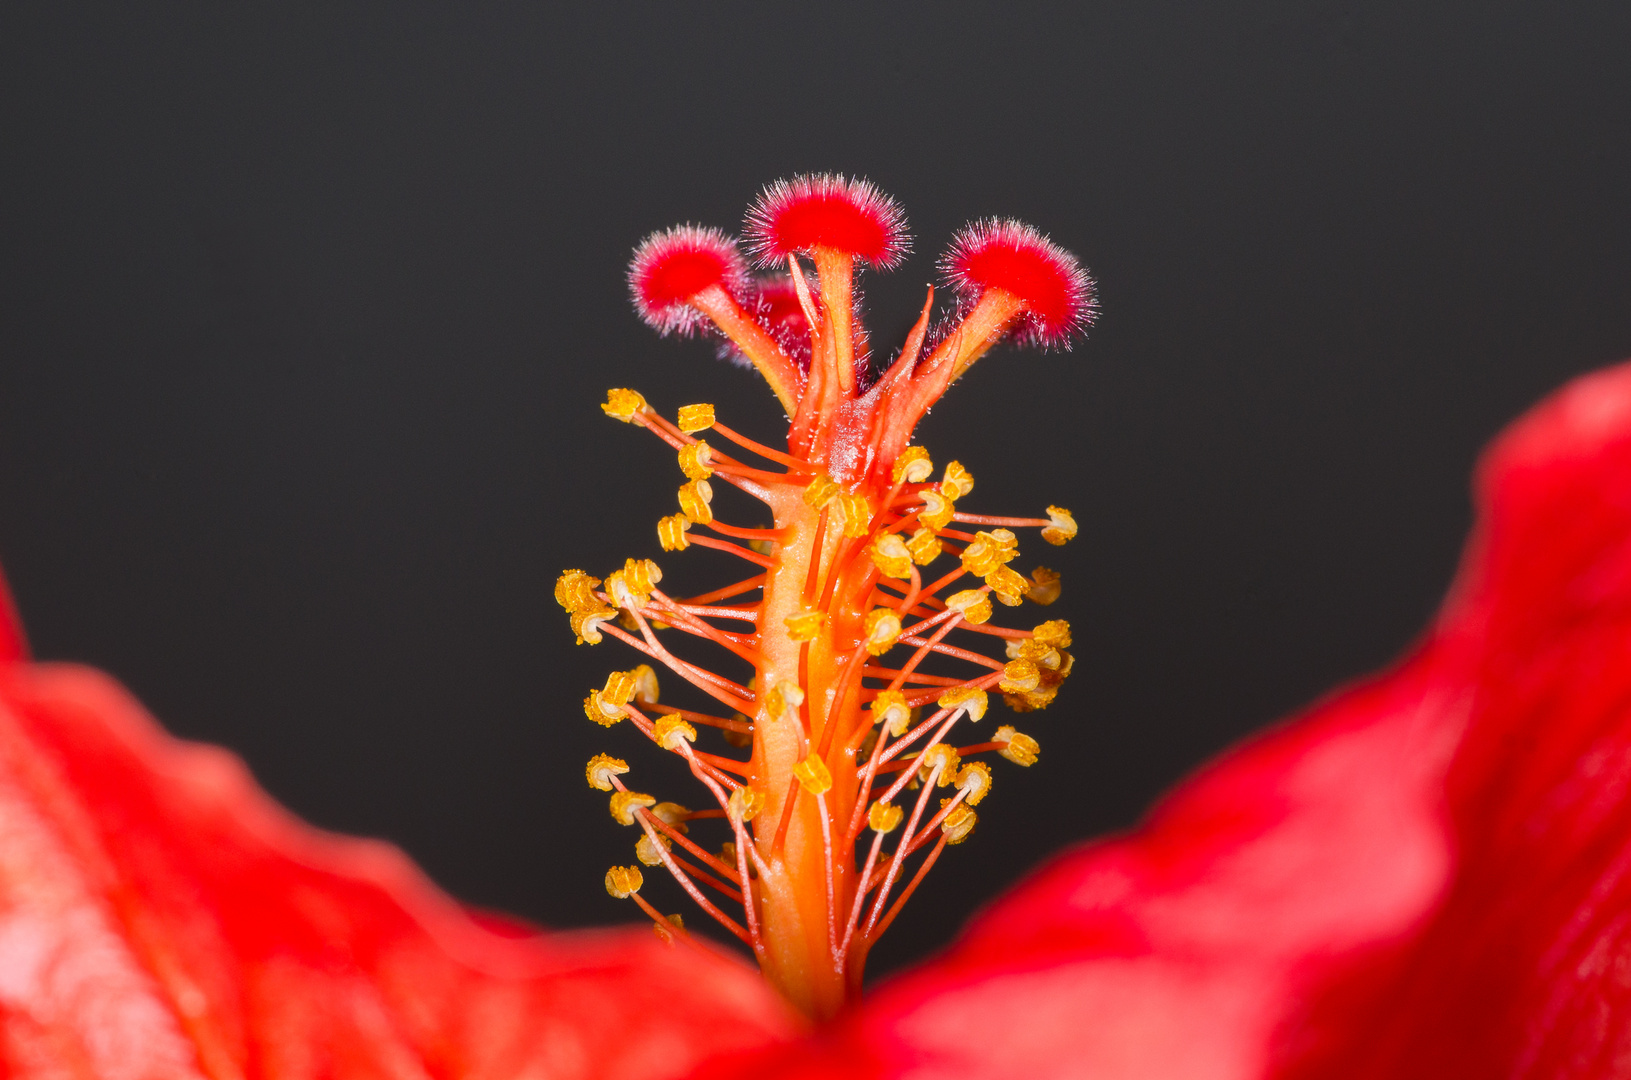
<point x="861" y="650"/>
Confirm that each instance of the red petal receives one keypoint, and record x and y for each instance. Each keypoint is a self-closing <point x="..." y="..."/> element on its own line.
<point x="1428" y="875"/>
<point x="161" y="917"/>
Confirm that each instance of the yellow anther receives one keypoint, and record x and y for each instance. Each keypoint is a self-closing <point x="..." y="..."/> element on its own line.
<point x="645" y="684"/>
<point x="1019" y="677"/>
<point x="1063" y="527"/>
<point x="805" y="625"/>
<point x="1039" y="653"/>
<point x="620" y="687"/>
<point x="889" y="709"/>
<point x="694" y="499"/>
<point x="1019" y="748"/>
<point x="784" y="698"/>
<point x="601" y="711"/>
<point x="937" y="509"/>
<point x="649" y="853"/>
<point x="1008" y="585"/>
<point x="891" y="556"/>
<point x="695" y="418"/>
<point x="882" y="629"/>
<point x="745" y="803"/>
<point x="631" y="586"/>
<point x="625" y="803"/>
<point x="813" y="775"/>
<point x="958" y="481"/>
<point x="575" y="591"/>
<point x="959" y="823"/>
<point x="975" y="779"/>
<point x="671" y="730"/>
<point x="822" y="490"/>
<point x="974" y="604"/>
<point x="1055" y="632"/>
<point x="856" y="513"/>
<point x="623" y="405"/>
<point x="882" y="817"/>
<point x="971" y="700"/>
<point x="586" y="625"/>
<point x="601" y="769"/>
<point x="624" y="881"/>
<point x="727" y="853"/>
<point x="695" y="460"/>
<point x="668" y="928"/>
<point x="671" y="532"/>
<point x="989" y="550"/>
<point x="913" y="466"/>
<point x="672" y="814"/>
<point x="1045" y="586"/>
<point x="924" y="547"/>
<point x="941" y="757"/>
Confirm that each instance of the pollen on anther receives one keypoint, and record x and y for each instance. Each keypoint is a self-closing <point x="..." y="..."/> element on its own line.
<point x="971" y="700"/>
<point x="891" y="555"/>
<point x="958" y="823"/>
<point x="695" y="418"/>
<point x="625" y="803"/>
<point x="813" y="775"/>
<point x="881" y="629"/>
<point x="601" y="769"/>
<point x="913" y="466"/>
<point x="975" y="781"/>
<point x="1045" y="586"/>
<point x="696" y="460"/>
<point x="669" y="731"/>
<point x="826" y="210"/>
<point x="889" y="708"/>
<point x="973" y="604"/>
<point x="624" y="881"/>
<point x="1057" y="294"/>
<point x="673" y="265"/>
<point x="623" y="404"/>
<point x="745" y="803"/>
<point x="805" y="625"/>
<point x="1019" y="748"/>
<point x="882" y="817"/>
<point x="694" y="499"/>
<point x="671" y="532"/>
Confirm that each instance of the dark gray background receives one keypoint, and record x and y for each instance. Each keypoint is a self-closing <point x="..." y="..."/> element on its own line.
<point x="305" y="314"/>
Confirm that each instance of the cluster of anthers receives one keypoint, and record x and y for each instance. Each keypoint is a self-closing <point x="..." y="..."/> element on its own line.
<point x="848" y="734"/>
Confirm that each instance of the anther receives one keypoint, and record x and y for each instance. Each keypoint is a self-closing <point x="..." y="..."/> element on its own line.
<point x="957" y="481"/>
<point x="671" y="532"/>
<point x="937" y="509"/>
<point x="891" y="556"/>
<point x="813" y="775"/>
<point x="975" y="781"/>
<point x="601" y="711"/>
<point x="856" y="513"/>
<point x="783" y="698"/>
<point x="821" y="491"/>
<point x="648" y="853"/>
<point x="943" y="756"/>
<point x="645" y="684"/>
<point x="889" y="708"/>
<point x="1019" y="677"/>
<point x="882" y="817"/>
<point x="672" y="814"/>
<point x="924" y="546"/>
<point x="694" y="460"/>
<point x="623" y="405"/>
<point x="1063" y="527"/>
<point x="631" y="586"/>
<point x="624" y="803"/>
<point x="882" y="629"/>
<point x="989" y="550"/>
<point x="959" y="823"/>
<point x="971" y="700"/>
<point x="1045" y="586"/>
<point x="669" y="731"/>
<point x="586" y="625"/>
<point x="666" y="929"/>
<point x="624" y="881"/>
<point x="746" y="803"/>
<point x="1038" y="652"/>
<point x="694" y="499"/>
<point x="1055" y="632"/>
<point x="805" y="625"/>
<point x="601" y="769"/>
<point x="695" y="418"/>
<point x="912" y="466"/>
<point x="575" y="591"/>
<point x="1008" y="585"/>
<point x="1019" y="748"/>
<point x="973" y="604"/>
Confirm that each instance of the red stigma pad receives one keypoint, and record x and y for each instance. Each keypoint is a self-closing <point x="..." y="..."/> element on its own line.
<point x="1012" y="256"/>
<point x="673" y="265"/>
<point x="827" y="210"/>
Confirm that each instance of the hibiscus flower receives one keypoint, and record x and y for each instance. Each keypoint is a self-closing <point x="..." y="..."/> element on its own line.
<point x="1426" y="874"/>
